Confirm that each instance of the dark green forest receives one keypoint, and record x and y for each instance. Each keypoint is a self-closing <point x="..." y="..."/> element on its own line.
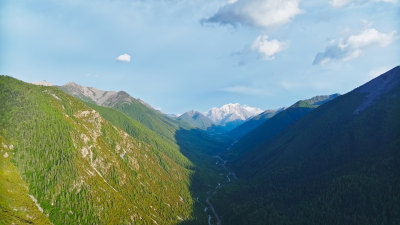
<point x="333" y="166"/>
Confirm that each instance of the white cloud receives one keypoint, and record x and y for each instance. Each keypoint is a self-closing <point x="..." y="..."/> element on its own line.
<point x="267" y="48"/>
<point x="341" y="3"/>
<point x="258" y="13"/>
<point x="239" y="89"/>
<point x="124" y="58"/>
<point x="352" y="47"/>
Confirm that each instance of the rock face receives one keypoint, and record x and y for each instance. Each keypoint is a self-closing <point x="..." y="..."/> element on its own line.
<point x="100" y="97"/>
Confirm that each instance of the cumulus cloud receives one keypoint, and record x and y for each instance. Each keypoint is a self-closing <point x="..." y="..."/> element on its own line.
<point x="341" y="3"/>
<point x="124" y="58"/>
<point x="257" y="13"/>
<point x="352" y="46"/>
<point x="267" y="48"/>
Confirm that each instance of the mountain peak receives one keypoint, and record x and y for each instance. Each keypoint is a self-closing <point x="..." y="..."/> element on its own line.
<point x="72" y="84"/>
<point x="231" y="112"/>
<point x="43" y="83"/>
<point x="196" y="119"/>
<point x="192" y="113"/>
<point x="89" y="93"/>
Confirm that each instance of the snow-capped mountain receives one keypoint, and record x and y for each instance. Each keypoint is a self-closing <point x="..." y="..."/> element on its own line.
<point x="231" y="112"/>
<point x="43" y="83"/>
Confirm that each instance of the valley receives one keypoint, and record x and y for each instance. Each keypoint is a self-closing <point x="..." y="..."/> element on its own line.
<point x="229" y="175"/>
<point x="177" y="112"/>
<point x="78" y="155"/>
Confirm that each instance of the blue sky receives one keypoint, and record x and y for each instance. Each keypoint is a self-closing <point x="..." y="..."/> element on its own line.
<point x="179" y="55"/>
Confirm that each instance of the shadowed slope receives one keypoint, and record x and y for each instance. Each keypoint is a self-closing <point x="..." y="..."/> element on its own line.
<point x="336" y="165"/>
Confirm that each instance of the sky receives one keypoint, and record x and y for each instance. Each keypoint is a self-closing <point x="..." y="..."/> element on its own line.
<point x="180" y="55"/>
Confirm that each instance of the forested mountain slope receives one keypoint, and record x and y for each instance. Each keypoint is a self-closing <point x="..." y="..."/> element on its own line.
<point x="80" y="168"/>
<point x="191" y="148"/>
<point x="339" y="164"/>
<point x="274" y="125"/>
<point x="134" y="108"/>
<point x="253" y="123"/>
<point x="196" y="119"/>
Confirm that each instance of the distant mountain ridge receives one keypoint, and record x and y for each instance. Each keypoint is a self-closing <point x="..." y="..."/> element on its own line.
<point x="258" y="130"/>
<point x="254" y="122"/>
<point x="122" y="101"/>
<point x="231" y="112"/>
<point x="99" y="97"/>
<point x="231" y="115"/>
<point x="196" y="119"/>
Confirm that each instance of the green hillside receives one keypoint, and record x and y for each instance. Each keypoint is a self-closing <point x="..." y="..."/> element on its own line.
<point x="16" y="205"/>
<point x="192" y="148"/>
<point x="191" y="137"/>
<point x="82" y="169"/>
<point x="149" y="117"/>
<point x="336" y="165"/>
<point x="196" y="119"/>
<point x="141" y="132"/>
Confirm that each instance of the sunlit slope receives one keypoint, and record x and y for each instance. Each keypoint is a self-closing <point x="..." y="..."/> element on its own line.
<point x="81" y="168"/>
<point x="134" y="108"/>
<point x="16" y="205"/>
<point x="176" y="138"/>
<point x="141" y="132"/>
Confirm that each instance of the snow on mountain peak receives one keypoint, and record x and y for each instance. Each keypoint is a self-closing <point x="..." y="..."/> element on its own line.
<point x="231" y="112"/>
<point x="43" y="83"/>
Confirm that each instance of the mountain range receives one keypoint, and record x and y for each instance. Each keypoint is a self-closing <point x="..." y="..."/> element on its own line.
<point x="271" y="125"/>
<point x="225" y="118"/>
<point x="231" y="115"/>
<point x="220" y="120"/>
<point x="78" y="155"/>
